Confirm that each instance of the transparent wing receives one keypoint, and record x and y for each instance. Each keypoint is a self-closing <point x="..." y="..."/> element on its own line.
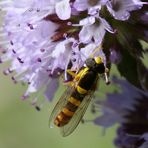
<point x="60" y="104"/>
<point x="77" y="117"/>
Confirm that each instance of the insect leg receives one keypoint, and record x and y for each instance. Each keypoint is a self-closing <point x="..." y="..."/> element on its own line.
<point x="69" y="77"/>
<point x="106" y="76"/>
<point x="69" y="83"/>
<point x="71" y="72"/>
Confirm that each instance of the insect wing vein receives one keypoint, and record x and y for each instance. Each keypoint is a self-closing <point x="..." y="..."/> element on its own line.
<point x="60" y="104"/>
<point x="73" y="123"/>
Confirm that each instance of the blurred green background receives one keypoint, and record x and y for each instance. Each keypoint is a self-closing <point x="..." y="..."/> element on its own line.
<point x="22" y="126"/>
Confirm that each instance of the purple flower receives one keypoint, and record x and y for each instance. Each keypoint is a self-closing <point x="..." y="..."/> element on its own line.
<point x="121" y="9"/>
<point x="63" y="9"/>
<point x="112" y="112"/>
<point x="41" y="38"/>
<point x="82" y="5"/>
<point x="129" y="109"/>
<point x="91" y="30"/>
<point x="35" y="57"/>
<point x="115" y="55"/>
<point x="125" y="140"/>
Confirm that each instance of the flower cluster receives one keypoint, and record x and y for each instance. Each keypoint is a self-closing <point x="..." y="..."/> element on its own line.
<point x="41" y="38"/>
<point x="129" y="109"/>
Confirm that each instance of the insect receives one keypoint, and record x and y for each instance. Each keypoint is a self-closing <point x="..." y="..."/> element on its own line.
<point x="72" y="105"/>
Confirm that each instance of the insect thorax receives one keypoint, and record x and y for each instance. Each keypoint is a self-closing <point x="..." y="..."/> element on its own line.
<point x="94" y="66"/>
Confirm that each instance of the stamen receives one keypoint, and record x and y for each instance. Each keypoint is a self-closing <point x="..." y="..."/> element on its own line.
<point x="39" y="60"/>
<point x="24" y="97"/>
<point x="13" y="50"/>
<point x="30" y="26"/>
<point x="42" y="50"/>
<point x="37" y="108"/>
<point x="69" y="23"/>
<point x="11" y="42"/>
<point x="14" y="80"/>
<point x="20" y="60"/>
<point x="65" y="35"/>
<point x="5" y="72"/>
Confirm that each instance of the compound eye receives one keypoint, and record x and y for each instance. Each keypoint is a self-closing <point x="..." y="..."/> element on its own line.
<point x="90" y="62"/>
<point x="98" y="60"/>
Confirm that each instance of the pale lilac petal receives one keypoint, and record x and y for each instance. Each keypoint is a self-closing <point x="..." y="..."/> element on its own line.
<point x="81" y="5"/>
<point x="86" y="34"/>
<point x="62" y="47"/>
<point x="87" y="21"/>
<point x="118" y="105"/>
<point x="123" y="8"/>
<point x="63" y="9"/>
<point x="106" y="25"/>
<point x="56" y="53"/>
<point x="37" y="81"/>
<point x="87" y="51"/>
<point x="94" y="10"/>
<point x="62" y="52"/>
<point x="99" y="33"/>
<point x="108" y="119"/>
<point x="51" y="89"/>
<point x="92" y="32"/>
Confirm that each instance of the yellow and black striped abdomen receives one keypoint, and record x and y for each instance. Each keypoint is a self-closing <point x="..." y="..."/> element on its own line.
<point x="67" y="112"/>
<point x="69" y="109"/>
<point x="84" y="85"/>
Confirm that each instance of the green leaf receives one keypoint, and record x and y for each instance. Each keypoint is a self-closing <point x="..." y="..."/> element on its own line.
<point x="128" y="39"/>
<point x="143" y="75"/>
<point x="128" y="68"/>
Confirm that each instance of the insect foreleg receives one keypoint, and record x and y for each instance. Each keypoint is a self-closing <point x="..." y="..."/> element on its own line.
<point x="71" y="72"/>
<point x="69" y="83"/>
<point x="106" y="76"/>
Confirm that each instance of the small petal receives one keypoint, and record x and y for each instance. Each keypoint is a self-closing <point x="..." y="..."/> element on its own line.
<point x="87" y="21"/>
<point x="121" y="9"/>
<point x="86" y="34"/>
<point x="81" y="5"/>
<point x="106" y="25"/>
<point x="87" y="51"/>
<point x="51" y="89"/>
<point x="63" y="9"/>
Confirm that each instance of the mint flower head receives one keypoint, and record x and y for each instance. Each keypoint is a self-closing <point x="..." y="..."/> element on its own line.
<point x="44" y="38"/>
<point x="129" y="109"/>
<point x="30" y="43"/>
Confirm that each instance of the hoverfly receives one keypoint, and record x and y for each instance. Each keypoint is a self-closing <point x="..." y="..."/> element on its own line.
<point x="72" y="105"/>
